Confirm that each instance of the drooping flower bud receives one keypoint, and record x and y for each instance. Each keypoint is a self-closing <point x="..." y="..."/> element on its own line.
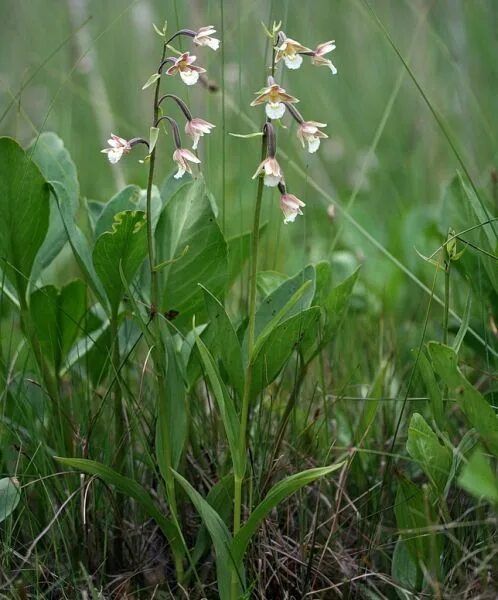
<point x="196" y="128"/>
<point x="308" y="132"/>
<point x="318" y="56"/>
<point x="183" y="158"/>
<point x="272" y="171"/>
<point x="291" y="207"/>
<point x="203" y="38"/>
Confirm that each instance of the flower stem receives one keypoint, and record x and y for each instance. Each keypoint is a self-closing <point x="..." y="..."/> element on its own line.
<point x="238" y="481"/>
<point x="159" y="352"/>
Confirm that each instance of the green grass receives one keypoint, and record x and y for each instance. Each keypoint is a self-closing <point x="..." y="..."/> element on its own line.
<point x="411" y="153"/>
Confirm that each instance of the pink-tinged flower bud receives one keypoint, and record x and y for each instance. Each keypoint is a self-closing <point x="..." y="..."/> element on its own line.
<point x="117" y="147"/>
<point x="274" y="96"/>
<point x="203" y="38"/>
<point x="272" y="171"/>
<point x="182" y="156"/>
<point x="196" y="128"/>
<point x="188" y="71"/>
<point x="309" y="133"/>
<point x="290" y="51"/>
<point x="291" y="207"/>
<point x="318" y="56"/>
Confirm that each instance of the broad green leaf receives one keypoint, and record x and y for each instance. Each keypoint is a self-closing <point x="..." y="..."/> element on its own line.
<point x="371" y="405"/>
<point x="24" y="210"/>
<point x="479" y="479"/>
<point x="432" y="387"/>
<point x="57" y="316"/>
<point x="10" y="494"/>
<point x="277" y="318"/>
<point x="475" y="407"/>
<point x="225" y="406"/>
<point x="220" y="536"/>
<point x="125" y="245"/>
<point x="79" y="246"/>
<point x="171" y="426"/>
<point x="125" y="199"/>
<point x="279" y="345"/>
<point x="188" y="235"/>
<point x="225" y="347"/>
<point x="132" y="489"/>
<point x="268" y="281"/>
<point x="55" y="163"/>
<point x="171" y="185"/>
<point x="275" y="301"/>
<point x="220" y="497"/>
<point x="279" y="492"/>
<point x="424" y="446"/>
<point x="414" y="518"/>
<point x="405" y="569"/>
<point x="84" y="345"/>
<point x="336" y="304"/>
<point x="239" y="248"/>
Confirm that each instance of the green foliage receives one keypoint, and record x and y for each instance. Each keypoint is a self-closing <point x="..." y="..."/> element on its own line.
<point x="25" y="209"/>
<point x="190" y="241"/>
<point x="55" y="163"/>
<point x="125" y="245"/>
<point x="225" y="345"/>
<point x="479" y="479"/>
<point x="10" y="494"/>
<point x="57" y="317"/>
<point x="424" y="446"/>
<point x="474" y="406"/>
<point x="132" y="489"/>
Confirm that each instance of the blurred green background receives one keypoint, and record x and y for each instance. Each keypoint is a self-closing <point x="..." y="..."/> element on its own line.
<point x="76" y="67"/>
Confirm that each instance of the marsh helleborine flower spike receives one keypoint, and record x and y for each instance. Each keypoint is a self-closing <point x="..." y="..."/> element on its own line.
<point x="318" y="56"/>
<point x="308" y="132"/>
<point x="274" y="96"/>
<point x="117" y="147"/>
<point x="289" y="50"/>
<point x="196" y="128"/>
<point x="203" y="38"/>
<point x="188" y="71"/>
<point x="182" y="156"/>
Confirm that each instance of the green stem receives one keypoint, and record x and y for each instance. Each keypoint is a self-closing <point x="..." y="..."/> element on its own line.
<point x="446" y="310"/>
<point x="238" y="481"/>
<point x="49" y="381"/>
<point x="159" y="352"/>
<point x="119" y="433"/>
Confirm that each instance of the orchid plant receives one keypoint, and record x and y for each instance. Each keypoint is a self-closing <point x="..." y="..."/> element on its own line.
<point x="160" y="257"/>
